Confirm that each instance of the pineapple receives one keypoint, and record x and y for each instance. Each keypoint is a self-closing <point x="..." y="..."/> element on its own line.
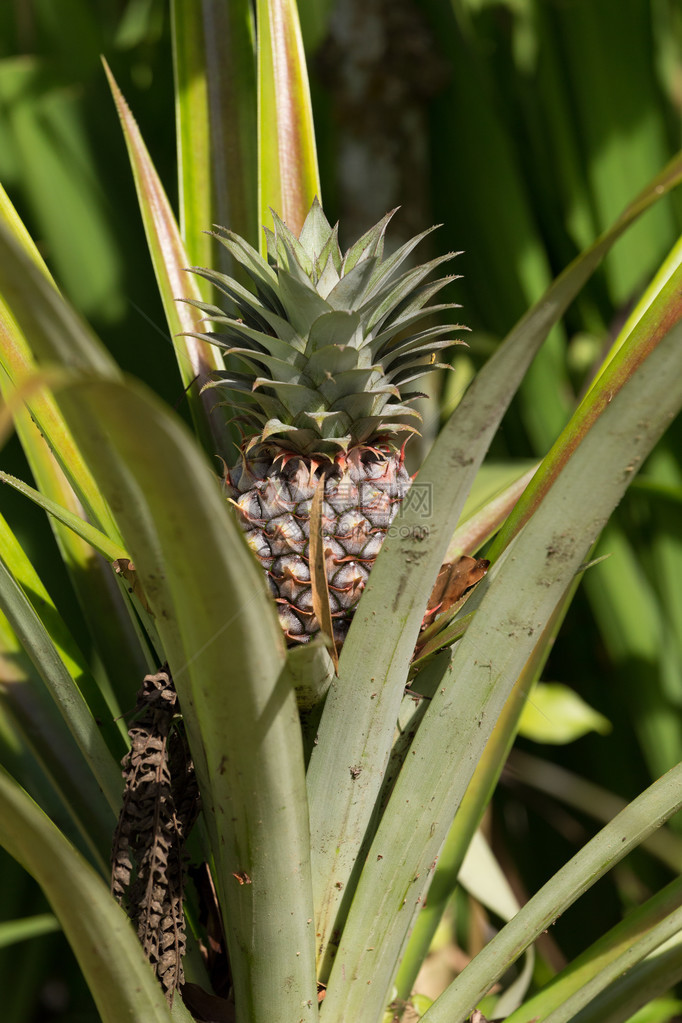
<point x="328" y="343"/>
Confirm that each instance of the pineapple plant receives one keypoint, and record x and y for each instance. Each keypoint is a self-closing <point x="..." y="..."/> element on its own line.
<point x="321" y="858"/>
<point x="330" y="343"/>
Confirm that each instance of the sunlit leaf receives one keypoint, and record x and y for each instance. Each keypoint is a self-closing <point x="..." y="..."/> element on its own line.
<point x="554" y="713"/>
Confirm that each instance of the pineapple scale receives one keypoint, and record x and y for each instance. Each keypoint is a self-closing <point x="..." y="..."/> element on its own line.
<point x="362" y="495"/>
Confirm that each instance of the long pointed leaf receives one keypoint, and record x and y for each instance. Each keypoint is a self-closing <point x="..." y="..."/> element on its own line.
<point x="95" y="537"/>
<point x="658" y="317"/>
<point x="660" y="801"/>
<point x="104" y="605"/>
<point x="194" y="141"/>
<point x="25" y="577"/>
<point x="225" y="648"/>
<point x="482" y="784"/>
<point x="222" y="637"/>
<point x="17" y="365"/>
<point x="37" y="643"/>
<point x="100" y="934"/>
<point x="374" y="662"/>
<point x="482" y="876"/>
<point x="196" y="358"/>
<point x="60" y="474"/>
<point x="588" y="798"/>
<point x="230" y="55"/>
<point x="520" y="597"/>
<point x="288" y="177"/>
<point x="33" y="719"/>
<point x="607" y="949"/>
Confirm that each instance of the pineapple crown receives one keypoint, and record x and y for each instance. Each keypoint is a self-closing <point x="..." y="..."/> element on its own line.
<point x="328" y="341"/>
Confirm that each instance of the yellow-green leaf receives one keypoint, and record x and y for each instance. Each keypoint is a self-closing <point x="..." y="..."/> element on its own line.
<point x="556" y="714"/>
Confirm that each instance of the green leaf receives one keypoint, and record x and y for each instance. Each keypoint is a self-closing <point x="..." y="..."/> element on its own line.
<point x="508" y="262"/>
<point x="222" y="637"/>
<point x="61" y="475"/>
<point x="101" y="936"/>
<point x="215" y="62"/>
<point x="660" y="314"/>
<point x="661" y="1010"/>
<point x="311" y="671"/>
<point x="59" y="177"/>
<point x="554" y="713"/>
<point x="617" y="87"/>
<point x="473" y="805"/>
<point x="602" y="954"/>
<point x="197" y="359"/>
<point x="36" y="641"/>
<point x="663" y="933"/>
<point x="18" y="364"/>
<point x="45" y="754"/>
<point x="519" y="598"/>
<point x="11" y="218"/>
<point x="482" y="876"/>
<point x="194" y="140"/>
<point x="375" y="659"/>
<point x="105" y="608"/>
<point x="13" y="931"/>
<point x="633" y="629"/>
<point x="494" y="493"/>
<point x="95" y="537"/>
<point x="625" y="832"/>
<point x="288" y="174"/>
<point x="24" y="576"/>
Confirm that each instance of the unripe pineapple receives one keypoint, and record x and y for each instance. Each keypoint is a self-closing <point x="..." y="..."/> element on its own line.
<point x="328" y="343"/>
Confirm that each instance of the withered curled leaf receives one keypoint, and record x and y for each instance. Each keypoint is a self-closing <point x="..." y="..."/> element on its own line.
<point x="454" y="580"/>
<point x="160" y="804"/>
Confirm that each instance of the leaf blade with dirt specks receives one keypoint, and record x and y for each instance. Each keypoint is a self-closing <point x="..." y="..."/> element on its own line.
<point x="519" y="597"/>
<point x="375" y="660"/>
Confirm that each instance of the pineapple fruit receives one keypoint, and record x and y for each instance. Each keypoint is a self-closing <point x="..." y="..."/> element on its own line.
<point x="328" y="343"/>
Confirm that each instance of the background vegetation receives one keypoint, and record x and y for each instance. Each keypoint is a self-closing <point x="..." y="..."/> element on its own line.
<point x="524" y="127"/>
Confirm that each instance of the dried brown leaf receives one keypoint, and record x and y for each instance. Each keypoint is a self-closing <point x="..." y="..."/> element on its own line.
<point x="160" y="804"/>
<point x="454" y="579"/>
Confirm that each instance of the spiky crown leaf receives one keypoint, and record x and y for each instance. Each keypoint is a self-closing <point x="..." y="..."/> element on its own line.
<point x="328" y="341"/>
